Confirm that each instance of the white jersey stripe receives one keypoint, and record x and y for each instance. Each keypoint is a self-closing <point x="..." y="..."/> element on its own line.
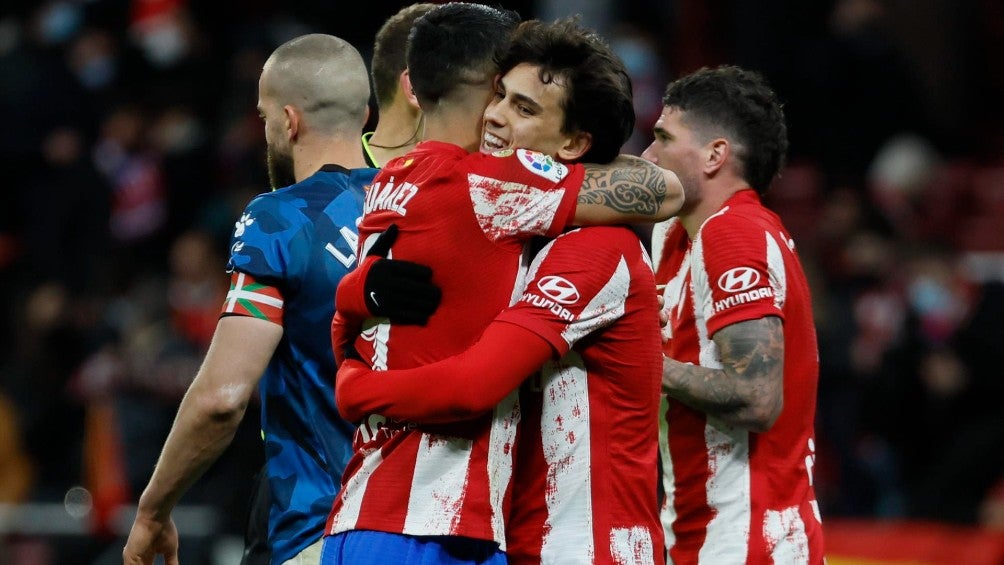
<point x="565" y="437"/>
<point x="500" y="448"/>
<point x="354" y="489"/>
<point x="598" y="313"/>
<point x="438" y="485"/>
<point x="728" y="489"/>
<point x="704" y="305"/>
<point x="784" y="532"/>
<point x="379" y="334"/>
<point x="667" y="513"/>
<point x="728" y="485"/>
<point x="775" y="268"/>
<point x="503" y="208"/>
<point x="631" y="546"/>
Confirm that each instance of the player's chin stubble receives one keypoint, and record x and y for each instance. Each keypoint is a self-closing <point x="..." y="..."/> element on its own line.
<point x="280" y="168"/>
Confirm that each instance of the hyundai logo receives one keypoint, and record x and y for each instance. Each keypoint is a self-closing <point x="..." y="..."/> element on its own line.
<point x="738" y="279"/>
<point x="558" y="289"/>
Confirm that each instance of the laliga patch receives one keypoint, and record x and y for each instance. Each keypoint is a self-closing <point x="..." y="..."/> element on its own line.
<point x="542" y="165"/>
<point x="502" y="153"/>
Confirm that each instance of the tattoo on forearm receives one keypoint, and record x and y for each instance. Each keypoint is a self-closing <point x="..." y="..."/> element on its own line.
<point x="750" y="381"/>
<point x="636" y="187"/>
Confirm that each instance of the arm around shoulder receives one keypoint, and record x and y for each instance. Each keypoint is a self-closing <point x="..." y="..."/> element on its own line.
<point x="453" y="389"/>
<point x="627" y="190"/>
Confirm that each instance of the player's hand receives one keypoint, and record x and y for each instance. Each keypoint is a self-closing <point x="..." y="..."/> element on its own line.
<point x="663" y="314"/>
<point x="400" y="290"/>
<point x="150" y="538"/>
<point x="343" y="334"/>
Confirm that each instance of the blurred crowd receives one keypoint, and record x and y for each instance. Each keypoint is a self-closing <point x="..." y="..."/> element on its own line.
<point x="131" y="143"/>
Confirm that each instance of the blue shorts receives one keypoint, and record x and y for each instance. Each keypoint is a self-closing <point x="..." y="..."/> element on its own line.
<point x="366" y="547"/>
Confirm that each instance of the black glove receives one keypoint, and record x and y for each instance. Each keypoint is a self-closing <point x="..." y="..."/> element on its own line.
<point x="397" y="289"/>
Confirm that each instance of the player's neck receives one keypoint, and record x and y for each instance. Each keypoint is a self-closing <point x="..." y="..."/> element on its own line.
<point x="711" y="198"/>
<point x="458" y="128"/>
<point x="398" y="130"/>
<point x="308" y="158"/>
<point x="398" y="125"/>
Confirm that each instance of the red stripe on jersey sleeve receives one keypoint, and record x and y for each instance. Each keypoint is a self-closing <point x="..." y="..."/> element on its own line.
<point x="248" y="297"/>
<point x="736" y="263"/>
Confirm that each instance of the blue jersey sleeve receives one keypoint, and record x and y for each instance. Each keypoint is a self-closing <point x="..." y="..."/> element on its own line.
<point x="265" y="240"/>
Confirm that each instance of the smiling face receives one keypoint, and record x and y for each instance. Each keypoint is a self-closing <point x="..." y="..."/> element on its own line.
<point x="528" y="113"/>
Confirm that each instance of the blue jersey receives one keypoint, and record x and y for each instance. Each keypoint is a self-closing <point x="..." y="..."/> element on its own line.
<point x="300" y="241"/>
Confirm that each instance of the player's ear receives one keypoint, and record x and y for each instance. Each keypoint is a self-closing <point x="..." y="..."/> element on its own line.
<point x="575" y="147"/>
<point x="406" y="88"/>
<point x="717" y="152"/>
<point x="293" y="122"/>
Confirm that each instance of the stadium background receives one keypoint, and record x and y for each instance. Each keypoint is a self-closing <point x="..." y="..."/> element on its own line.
<point x="130" y="142"/>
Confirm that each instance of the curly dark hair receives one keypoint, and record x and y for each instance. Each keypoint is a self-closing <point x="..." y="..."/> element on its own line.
<point x="737" y="104"/>
<point x="598" y="98"/>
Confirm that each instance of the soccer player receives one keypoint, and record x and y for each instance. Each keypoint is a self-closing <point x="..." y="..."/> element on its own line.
<point x="741" y="364"/>
<point x="434" y="491"/>
<point x="586" y="462"/>
<point x="399" y="125"/>
<point x="290" y="248"/>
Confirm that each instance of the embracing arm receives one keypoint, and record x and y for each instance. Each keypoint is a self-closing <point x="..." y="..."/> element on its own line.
<point x="456" y="388"/>
<point x="400" y="290"/>
<point x="627" y="190"/>
<point x="748" y="391"/>
<point x="205" y="424"/>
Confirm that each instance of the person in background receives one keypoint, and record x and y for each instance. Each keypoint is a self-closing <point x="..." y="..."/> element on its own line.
<point x="399" y="124"/>
<point x="741" y="363"/>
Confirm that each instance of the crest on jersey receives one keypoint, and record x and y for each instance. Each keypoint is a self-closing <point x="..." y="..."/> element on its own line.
<point x="542" y="165"/>
<point x="242" y="224"/>
<point x="502" y="153"/>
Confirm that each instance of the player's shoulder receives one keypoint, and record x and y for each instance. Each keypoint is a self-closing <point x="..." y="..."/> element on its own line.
<point x="602" y="236"/>
<point x="735" y="217"/>
<point x="523" y="161"/>
<point x="600" y="244"/>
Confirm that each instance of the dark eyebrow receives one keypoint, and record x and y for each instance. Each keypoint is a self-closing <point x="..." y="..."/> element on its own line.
<point x="524" y="99"/>
<point x="519" y="98"/>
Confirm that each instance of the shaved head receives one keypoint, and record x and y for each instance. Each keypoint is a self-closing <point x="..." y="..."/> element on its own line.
<point x="322" y="75"/>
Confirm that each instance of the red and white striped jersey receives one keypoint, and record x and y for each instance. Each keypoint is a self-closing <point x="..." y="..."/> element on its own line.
<point x="586" y="478"/>
<point x="467" y="216"/>
<point x="733" y="496"/>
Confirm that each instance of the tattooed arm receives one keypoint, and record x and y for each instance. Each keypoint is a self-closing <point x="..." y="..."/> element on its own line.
<point x="627" y="190"/>
<point x="748" y="390"/>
